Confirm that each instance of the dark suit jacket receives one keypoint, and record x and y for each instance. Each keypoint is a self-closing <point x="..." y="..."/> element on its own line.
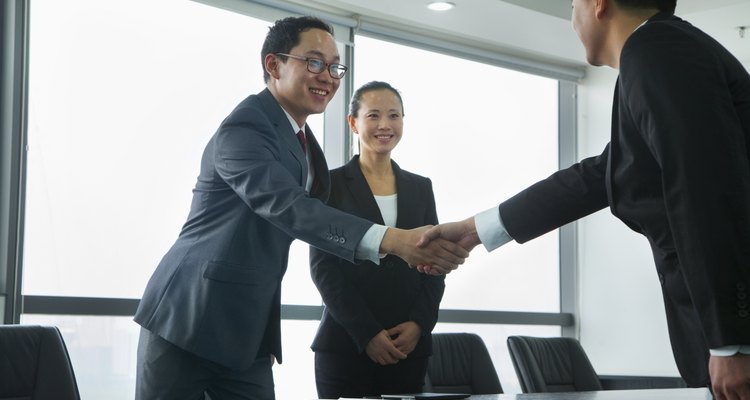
<point x="361" y="300"/>
<point x="216" y="293"/>
<point x="676" y="170"/>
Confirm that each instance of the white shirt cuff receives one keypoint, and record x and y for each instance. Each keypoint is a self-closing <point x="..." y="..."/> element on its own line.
<point x="490" y="229"/>
<point x="369" y="246"/>
<point x="726" y="351"/>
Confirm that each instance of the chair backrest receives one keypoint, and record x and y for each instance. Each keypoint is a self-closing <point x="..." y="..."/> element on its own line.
<point x="35" y="364"/>
<point x="556" y="364"/>
<point x="460" y="363"/>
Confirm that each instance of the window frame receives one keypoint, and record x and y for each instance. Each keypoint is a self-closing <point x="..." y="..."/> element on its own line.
<point x="338" y="149"/>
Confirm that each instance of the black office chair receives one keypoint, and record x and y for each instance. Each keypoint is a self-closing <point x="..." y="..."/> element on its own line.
<point x="556" y="364"/>
<point x="460" y="363"/>
<point x="34" y="364"/>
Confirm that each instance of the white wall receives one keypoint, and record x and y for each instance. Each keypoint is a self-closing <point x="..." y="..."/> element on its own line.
<point x="622" y="323"/>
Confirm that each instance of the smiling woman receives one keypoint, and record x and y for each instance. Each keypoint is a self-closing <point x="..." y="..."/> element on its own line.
<point x="479" y="138"/>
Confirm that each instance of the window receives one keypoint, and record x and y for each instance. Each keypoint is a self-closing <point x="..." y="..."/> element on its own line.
<point x="124" y="95"/>
<point x="120" y="109"/>
<point x="481" y="133"/>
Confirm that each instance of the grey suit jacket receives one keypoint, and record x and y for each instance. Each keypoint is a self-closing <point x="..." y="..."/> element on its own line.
<point x="216" y="293"/>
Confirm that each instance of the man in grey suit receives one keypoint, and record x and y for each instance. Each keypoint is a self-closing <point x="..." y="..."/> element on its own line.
<point x="210" y="314"/>
<point x="677" y="170"/>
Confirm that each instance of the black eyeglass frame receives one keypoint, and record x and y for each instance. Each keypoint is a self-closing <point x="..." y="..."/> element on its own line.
<point x="321" y="65"/>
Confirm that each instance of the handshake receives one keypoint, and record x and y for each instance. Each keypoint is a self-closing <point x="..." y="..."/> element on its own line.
<point x="434" y="250"/>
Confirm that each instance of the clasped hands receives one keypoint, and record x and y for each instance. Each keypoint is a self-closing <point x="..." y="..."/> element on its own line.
<point x="390" y="346"/>
<point x="434" y="250"/>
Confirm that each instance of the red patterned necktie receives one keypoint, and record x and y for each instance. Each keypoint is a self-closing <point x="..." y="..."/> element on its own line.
<point x="302" y="141"/>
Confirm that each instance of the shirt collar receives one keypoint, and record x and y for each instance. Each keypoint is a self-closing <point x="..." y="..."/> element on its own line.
<point x="295" y="128"/>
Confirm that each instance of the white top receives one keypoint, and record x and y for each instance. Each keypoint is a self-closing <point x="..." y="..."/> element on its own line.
<point x="388" y="208"/>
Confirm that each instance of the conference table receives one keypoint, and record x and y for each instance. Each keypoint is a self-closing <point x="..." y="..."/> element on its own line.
<point x="646" y="394"/>
<point x="633" y="394"/>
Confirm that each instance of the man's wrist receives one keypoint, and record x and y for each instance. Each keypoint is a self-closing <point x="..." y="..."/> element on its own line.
<point x="490" y="229"/>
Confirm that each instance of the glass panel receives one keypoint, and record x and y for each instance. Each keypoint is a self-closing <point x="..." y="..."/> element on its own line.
<point x="103" y="353"/>
<point x="295" y="378"/>
<point x="118" y="119"/>
<point x="481" y="133"/>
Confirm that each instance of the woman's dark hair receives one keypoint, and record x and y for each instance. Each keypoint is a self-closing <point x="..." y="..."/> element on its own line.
<point x="369" y="87"/>
<point x="284" y="34"/>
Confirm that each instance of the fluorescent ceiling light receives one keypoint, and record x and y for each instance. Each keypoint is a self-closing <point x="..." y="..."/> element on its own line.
<point x="440" y="6"/>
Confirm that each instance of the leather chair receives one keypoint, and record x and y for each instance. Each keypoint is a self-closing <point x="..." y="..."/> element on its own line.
<point x="556" y="364"/>
<point x="460" y="363"/>
<point x="34" y="364"/>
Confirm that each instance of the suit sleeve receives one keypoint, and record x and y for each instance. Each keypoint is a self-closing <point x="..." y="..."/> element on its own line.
<point x="687" y="108"/>
<point x="248" y="158"/>
<point x="564" y="197"/>
<point x="425" y="309"/>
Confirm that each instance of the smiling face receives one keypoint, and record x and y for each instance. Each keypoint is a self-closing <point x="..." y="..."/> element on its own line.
<point x="379" y="121"/>
<point x="299" y="91"/>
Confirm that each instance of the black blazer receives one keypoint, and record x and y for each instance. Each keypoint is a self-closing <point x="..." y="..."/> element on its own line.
<point x="363" y="299"/>
<point x="216" y="293"/>
<point x="677" y="170"/>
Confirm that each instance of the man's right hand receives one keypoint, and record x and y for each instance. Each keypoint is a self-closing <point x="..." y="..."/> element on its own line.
<point x="462" y="233"/>
<point x="442" y="255"/>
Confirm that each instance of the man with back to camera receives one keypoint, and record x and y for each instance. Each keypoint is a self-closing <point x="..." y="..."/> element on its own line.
<point x="210" y="314"/>
<point x="676" y="170"/>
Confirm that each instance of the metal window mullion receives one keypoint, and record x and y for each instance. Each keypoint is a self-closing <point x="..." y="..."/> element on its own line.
<point x="13" y="90"/>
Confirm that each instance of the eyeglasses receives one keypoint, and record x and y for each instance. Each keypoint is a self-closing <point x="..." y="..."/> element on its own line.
<point x="317" y="66"/>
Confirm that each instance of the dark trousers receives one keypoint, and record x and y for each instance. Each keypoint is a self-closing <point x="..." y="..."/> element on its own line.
<point x="167" y="372"/>
<point x="340" y="375"/>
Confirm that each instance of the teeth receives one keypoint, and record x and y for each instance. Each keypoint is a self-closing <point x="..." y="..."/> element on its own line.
<point x="319" y="92"/>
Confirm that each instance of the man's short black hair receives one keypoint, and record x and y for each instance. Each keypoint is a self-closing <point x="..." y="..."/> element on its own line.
<point x="661" y="5"/>
<point x="284" y="34"/>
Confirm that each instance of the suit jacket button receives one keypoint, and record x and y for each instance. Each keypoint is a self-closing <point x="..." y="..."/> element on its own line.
<point x="741" y="295"/>
<point x="342" y="240"/>
<point x="742" y="304"/>
<point x="329" y="236"/>
<point x="741" y="286"/>
<point x="335" y="238"/>
<point x="661" y="278"/>
<point x="742" y="313"/>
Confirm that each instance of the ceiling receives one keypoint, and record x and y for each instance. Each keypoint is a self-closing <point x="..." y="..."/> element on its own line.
<point x="536" y="29"/>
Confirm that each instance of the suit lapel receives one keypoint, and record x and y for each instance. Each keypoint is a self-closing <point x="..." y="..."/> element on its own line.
<point x="407" y="198"/>
<point x="361" y="192"/>
<point x="321" y="178"/>
<point x="283" y="128"/>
